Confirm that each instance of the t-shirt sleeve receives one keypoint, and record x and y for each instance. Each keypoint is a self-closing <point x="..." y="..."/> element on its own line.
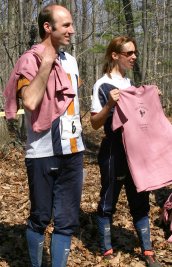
<point x="96" y="106"/>
<point x="21" y="83"/>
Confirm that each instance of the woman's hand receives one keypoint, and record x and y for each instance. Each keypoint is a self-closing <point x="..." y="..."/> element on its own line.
<point x="159" y="91"/>
<point x="99" y="119"/>
<point x="113" y="98"/>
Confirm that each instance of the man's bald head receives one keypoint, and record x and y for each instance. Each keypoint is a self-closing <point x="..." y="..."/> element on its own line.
<point x="46" y="15"/>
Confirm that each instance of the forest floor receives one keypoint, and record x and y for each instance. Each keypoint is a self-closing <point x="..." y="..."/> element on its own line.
<point x="14" y="208"/>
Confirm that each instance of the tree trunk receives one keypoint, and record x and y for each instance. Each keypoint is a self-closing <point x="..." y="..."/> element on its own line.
<point x="73" y="37"/>
<point x="145" y="39"/>
<point x="130" y="31"/>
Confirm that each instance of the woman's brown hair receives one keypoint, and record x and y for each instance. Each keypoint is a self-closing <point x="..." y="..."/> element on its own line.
<point x="116" y="45"/>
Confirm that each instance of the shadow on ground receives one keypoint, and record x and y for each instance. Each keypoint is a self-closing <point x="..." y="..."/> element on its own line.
<point x="122" y="239"/>
<point x="13" y="246"/>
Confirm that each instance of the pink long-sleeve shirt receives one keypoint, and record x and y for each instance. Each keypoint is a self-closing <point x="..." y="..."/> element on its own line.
<point x="58" y="95"/>
<point x="147" y="136"/>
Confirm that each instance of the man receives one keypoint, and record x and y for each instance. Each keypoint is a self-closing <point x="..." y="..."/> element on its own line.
<point x="47" y="80"/>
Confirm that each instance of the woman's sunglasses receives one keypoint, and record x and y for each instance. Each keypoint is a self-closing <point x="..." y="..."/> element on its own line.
<point x="129" y="53"/>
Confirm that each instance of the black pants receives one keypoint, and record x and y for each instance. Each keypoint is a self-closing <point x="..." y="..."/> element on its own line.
<point x="114" y="174"/>
<point x="55" y="185"/>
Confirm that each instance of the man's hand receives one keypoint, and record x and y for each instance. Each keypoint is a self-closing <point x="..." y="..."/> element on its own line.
<point x="33" y="94"/>
<point x="48" y="56"/>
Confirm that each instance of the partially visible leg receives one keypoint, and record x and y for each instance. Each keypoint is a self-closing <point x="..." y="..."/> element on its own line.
<point x="111" y="187"/>
<point x="106" y="208"/>
<point x="60" y="248"/>
<point x="104" y="228"/>
<point x="40" y="185"/>
<point x="35" y="243"/>
<point x="66" y="205"/>
<point x="139" y="209"/>
<point x="142" y="227"/>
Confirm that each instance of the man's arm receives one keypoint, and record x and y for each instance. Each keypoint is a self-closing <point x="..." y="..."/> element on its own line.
<point x="33" y="94"/>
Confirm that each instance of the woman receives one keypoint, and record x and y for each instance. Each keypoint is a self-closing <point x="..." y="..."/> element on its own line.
<point x="120" y="57"/>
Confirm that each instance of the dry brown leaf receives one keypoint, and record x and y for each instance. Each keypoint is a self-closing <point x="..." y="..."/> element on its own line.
<point x="85" y="252"/>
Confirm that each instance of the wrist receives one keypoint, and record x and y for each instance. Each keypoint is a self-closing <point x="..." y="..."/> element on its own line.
<point x="109" y="106"/>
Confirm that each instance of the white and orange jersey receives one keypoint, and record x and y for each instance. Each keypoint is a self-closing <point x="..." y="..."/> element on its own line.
<point x="65" y="135"/>
<point x="70" y="125"/>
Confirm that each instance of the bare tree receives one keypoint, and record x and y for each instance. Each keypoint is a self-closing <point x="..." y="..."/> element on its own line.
<point x="12" y="41"/>
<point x="145" y="39"/>
<point x="131" y="32"/>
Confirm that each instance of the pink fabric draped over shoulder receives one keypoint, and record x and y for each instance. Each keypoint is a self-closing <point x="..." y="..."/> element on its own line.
<point x="58" y="95"/>
<point x="147" y="136"/>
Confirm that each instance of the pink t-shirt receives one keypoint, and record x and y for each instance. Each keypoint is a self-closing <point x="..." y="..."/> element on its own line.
<point x="147" y="137"/>
<point x="57" y="97"/>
